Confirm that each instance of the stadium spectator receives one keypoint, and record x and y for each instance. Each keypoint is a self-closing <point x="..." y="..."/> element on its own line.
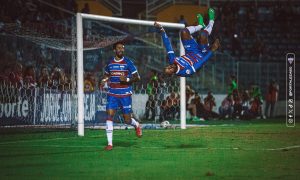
<point x="16" y="76"/>
<point x="188" y="91"/>
<point x="256" y="102"/>
<point x="120" y="73"/>
<point x="237" y="105"/>
<point x="29" y="77"/>
<point x="163" y="112"/>
<point x="232" y="89"/>
<point x="72" y="6"/>
<point x="19" y="55"/>
<point x="226" y="108"/>
<point x="271" y="98"/>
<point x="209" y="104"/>
<point x="254" y="111"/>
<point x="172" y="106"/>
<point x="245" y="103"/>
<point x="256" y="93"/>
<point x="200" y="110"/>
<point x="86" y="8"/>
<point x="44" y="78"/>
<point x="190" y="104"/>
<point x="58" y="79"/>
<point x="89" y="82"/>
<point x="152" y="85"/>
<point x="150" y="107"/>
<point x="182" y="20"/>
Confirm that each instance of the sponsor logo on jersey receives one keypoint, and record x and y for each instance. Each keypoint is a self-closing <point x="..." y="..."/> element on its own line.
<point x="114" y="73"/>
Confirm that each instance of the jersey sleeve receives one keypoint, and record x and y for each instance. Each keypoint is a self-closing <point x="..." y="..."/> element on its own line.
<point x="131" y="67"/>
<point x="106" y="69"/>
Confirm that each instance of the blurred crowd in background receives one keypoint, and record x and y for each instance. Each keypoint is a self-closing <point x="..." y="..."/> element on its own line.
<point x="248" y="32"/>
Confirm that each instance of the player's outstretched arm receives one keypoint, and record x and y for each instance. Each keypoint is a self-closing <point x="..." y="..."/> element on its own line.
<point x="166" y="42"/>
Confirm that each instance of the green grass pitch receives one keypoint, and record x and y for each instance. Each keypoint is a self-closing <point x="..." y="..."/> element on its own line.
<point x="260" y="149"/>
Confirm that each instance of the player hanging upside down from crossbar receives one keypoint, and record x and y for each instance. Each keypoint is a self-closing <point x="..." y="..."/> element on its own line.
<point x="195" y="54"/>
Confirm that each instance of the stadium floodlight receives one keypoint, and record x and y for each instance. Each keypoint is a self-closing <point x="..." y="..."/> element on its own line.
<point x="80" y="70"/>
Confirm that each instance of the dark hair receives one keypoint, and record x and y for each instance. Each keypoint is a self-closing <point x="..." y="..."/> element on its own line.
<point x="115" y="45"/>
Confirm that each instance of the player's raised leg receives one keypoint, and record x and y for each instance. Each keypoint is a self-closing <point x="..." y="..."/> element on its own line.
<point x="127" y="114"/>
<point x="186" y="33"/>
<point x="137" y="125"/>
<point x="203" y="38"/>
<point x="188" y="42"/>
<point x="132" y="121"/>
<point x="200" y="20"/>
<point x="211" y="17"/>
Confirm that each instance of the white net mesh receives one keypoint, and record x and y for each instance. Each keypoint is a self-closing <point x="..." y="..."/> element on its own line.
<point x="48" y="94"/>
<point x="143" y="46"/>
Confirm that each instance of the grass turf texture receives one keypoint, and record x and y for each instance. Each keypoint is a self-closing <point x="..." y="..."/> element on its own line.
<point x="246" y="150"/>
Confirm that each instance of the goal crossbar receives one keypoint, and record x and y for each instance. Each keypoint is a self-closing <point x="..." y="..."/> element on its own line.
<point x="80" y="71"/>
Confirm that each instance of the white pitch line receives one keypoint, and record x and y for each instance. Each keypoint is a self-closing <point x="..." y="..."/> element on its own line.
<point x="45" y="140"/>
<point x="169" y="149"/>
<point x="33" y="140"/>
<point x="228" y="148"/>
<point x="284" y="148"/>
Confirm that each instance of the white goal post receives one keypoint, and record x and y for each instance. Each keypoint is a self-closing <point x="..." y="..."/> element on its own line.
<point x="80" y="71"/>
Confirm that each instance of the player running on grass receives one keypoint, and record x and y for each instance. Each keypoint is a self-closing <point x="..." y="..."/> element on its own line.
<point x="195" y="54"/>
<point x="120" y="73"/>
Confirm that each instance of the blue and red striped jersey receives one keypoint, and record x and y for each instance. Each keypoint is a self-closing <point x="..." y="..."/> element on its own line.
<point x="189" y="63"/>
<point x="116" y="68"/>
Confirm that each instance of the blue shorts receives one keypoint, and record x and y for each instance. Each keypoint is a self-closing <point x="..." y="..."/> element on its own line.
<point x="190" y="45"/>
<point x="123" y="103"/>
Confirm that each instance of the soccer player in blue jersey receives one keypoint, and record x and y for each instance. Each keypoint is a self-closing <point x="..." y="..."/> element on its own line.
<point x="120" y="73"/>
<point x="196" y="54"/>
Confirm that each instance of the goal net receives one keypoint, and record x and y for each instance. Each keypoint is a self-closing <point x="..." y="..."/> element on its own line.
<point x="144" y="47"/>
<point x="36" y="80"/>
<point x="45" y="81"/>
